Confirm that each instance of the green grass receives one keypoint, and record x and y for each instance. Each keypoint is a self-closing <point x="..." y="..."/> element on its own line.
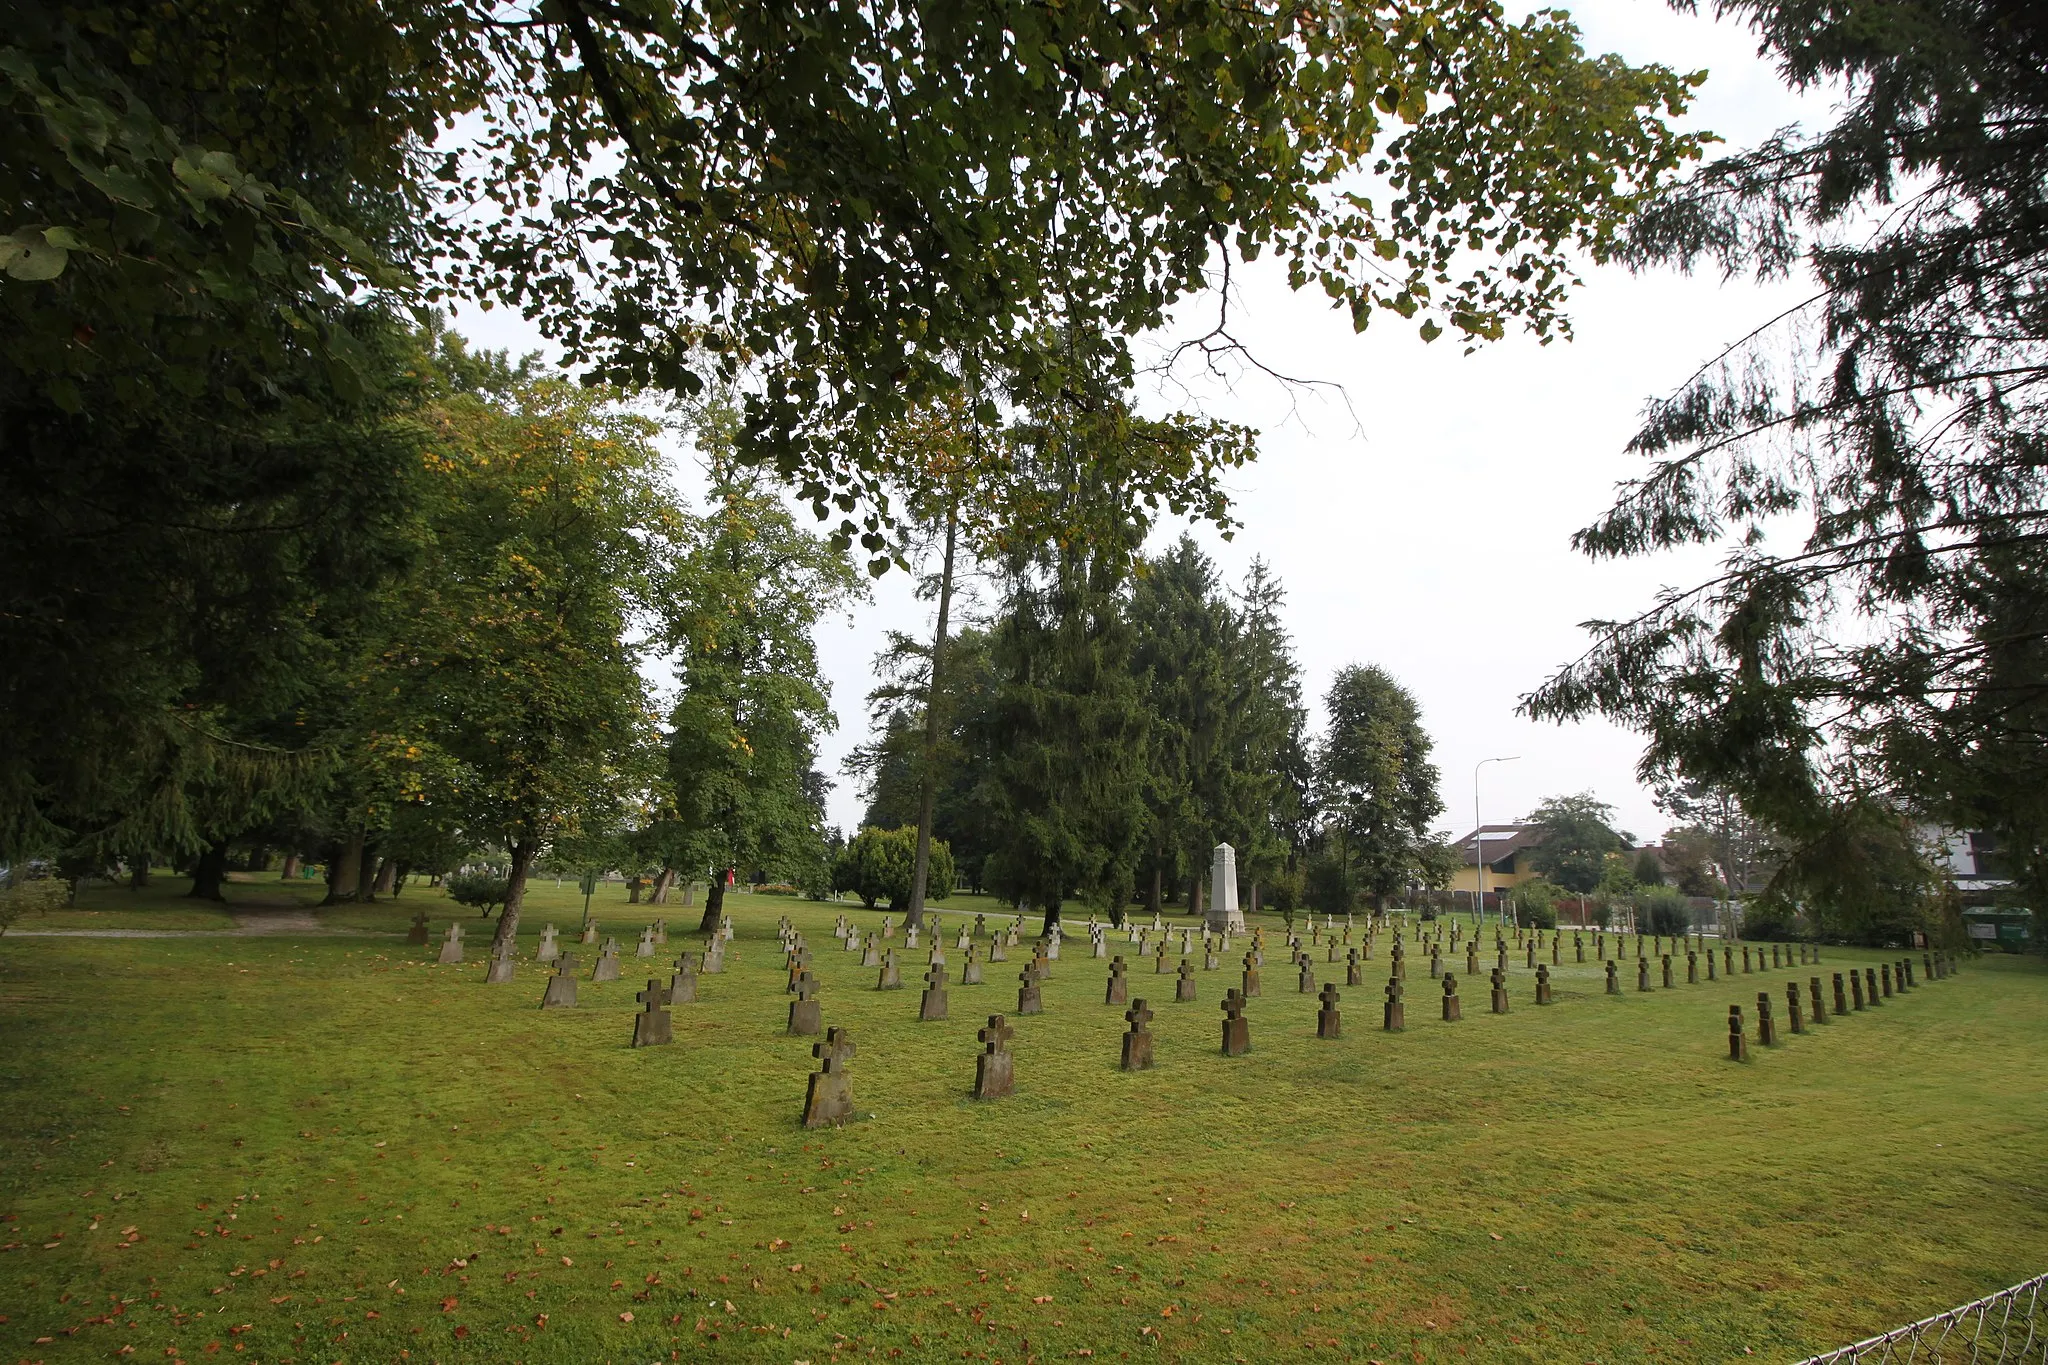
<point x="329" y="1149"/>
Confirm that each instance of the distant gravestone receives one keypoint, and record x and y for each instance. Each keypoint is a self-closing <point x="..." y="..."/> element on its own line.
<point x="1613" y="978"/>
<point x="1159" y="959"/>
<point x="970" y="968"/>
<point x="966" y="937"/>
<point x="1819" y="1010"/>
<point x="888" y="927"/>
<point x="1745" y="959"/>
<point x="1472" y="956"/>
<point x="1500" y="991"/>
<point x="1841" y="999"/>
<point x="550" y="945"/>
<point x="1542" y="983"/>
<point x="891" y="977"/>
<point x="1118" y="991"/>
<point x="1855" y="988"/>
<point x="451" y="946"/>
<point x="1738" y="1038"/>
<point x="1692" y="968"/>
<point x="871" y="954"/>
<point x="1774" y="955"/>
<point x="1184" y="988"/>
<point x="994" y="1070"/>
<point x="805" y="1012"/>
<point x="1306" y="984"/>
<point x="1210" y="960"/>
<point x="1667" y="971"/>
<point x="653" y="1025"/>
<point x="1329" y="1024"/>
<point x="1579" y="946"/>
<point x="1453" y="1009"/>
<point x="713" y="961"/>
<point x="607" y="968"/>
<point x="829" y="1100"/>
<point x="418" y="934"/>
<point x="682" y="985"/>
<point x="1397" y="962"/>
<point x="1098" y="944"/>
<point x="1237" y="1032"/>
<point x="998" y="949"/>
<point x="1394" y="1013"/>
<point x="589" y="931"/>
<point x="1028" y="1001"/>
<point x="1354" y="970"/>
<point x="799" y="959"/>
<point x="1792" y="1019"/>
<point x="645" y="947"/>
<point x="500" y="970"/>
<point x="932" y="1003"/>
<point x="1710" y="964"/>
<point x="1727" y="959"/>
<point x="981" y="926"/>
<point x="1137" y="1053"/>
<point x="1532" y="952"/>
<point x="1642" y="973"/>
<point x="561" y="991"/>
<point x="1870" y="987"/>
<point x="1766" y="1027"/>
<point x="1251" y="976"/>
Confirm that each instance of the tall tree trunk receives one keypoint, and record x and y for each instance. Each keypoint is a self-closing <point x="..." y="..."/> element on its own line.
<point x="663" y="880"/>
<point x="515" y="894"/>
<point x="345" y="870"/>
<point x="366" y="874"/>
<point x="1052" y="917"/>
<point x="689" y="893"/>
<point x="714" y="902"/>
<point x="138" y="871"/>
<point x="1156" y="901"/>
<point x="386" y="882"/>
<point x="290" y="870"/>
<point x="928" y="776"/>
<point x="1196" y="901"/>
<point x="1254" y="902"/>
<point x="210" y="873"/>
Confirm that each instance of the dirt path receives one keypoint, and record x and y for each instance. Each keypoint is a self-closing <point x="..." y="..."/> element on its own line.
<point x="253" y="919"/>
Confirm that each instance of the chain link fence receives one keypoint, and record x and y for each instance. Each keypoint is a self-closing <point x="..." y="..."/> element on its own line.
<point x="1998" y="1329"/>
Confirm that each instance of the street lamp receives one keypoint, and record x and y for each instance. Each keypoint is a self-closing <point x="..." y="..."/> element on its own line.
<point x="1479" y="845"/>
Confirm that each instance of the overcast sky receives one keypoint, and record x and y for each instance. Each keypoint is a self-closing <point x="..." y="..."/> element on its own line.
<point x="1430" y="533"/>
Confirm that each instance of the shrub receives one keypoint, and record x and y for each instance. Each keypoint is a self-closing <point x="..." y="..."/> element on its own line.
<point x="877" y="865"/>
<point x="482" y="891"/>
<point x="1535" y="902"/>
<point x="41" y="896"/>
<point x="1769" y="917"/>
<point x="1662" y="910"/>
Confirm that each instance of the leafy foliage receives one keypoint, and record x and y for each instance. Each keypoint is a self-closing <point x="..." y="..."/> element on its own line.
<point x="1576" y="841"/>
<point x="877" y="864"/>
<point x="1376" y="788"/>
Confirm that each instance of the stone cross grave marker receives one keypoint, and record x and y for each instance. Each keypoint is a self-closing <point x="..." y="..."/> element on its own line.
<point x="888" y="927"/>
<point x="682" y="985"/>
<point x="805" y="1011"/>
<point x="1542" y="983"/>
<point x="1841" y="1000"/>
<point x="1394" y="1013"/>
<point x="550" y="945"/>
<point x="970" y="968"/>
<point x="1819" y="1009"/>
<point x="1738" y="1038"/>
<point x="1118" y="991"/>
<point x="1667" y="971"/>
<point x="1792" y="1019"/>
<point x="451" y="946"/>
<point x="1642" y="973"/>
<point x="1184" y="989"/>
<point x="1329" y="1024"/>
<point x="1137" y="1055"/>
<point x="645" y="947"/>
<point x="1251" y="976"/>
<point x="1532" y="952"/>
<point x="653" y="1025"/>
<point x="500" y="970"/>
<point x="713" y="961"/>
<point x="799" y="959"/>
<point x="1354" y="970"/>
<point x="418" y="934"/>
<point x="1159" y="959"/>
<point x="1710" y="964"/>
<point x="910" y="937"/>
<point x="589" y="931"/>
<point x="1237" y="1032"/>
<point x="1454" y="1010"/>
<point x="1870" y="986"/>
<point x="1613" y="978"/>
<point x="1307" y="983"/>
<point x="891" y="978"/>
<point x="1579" y="946"/>
<point x="1692" y="968"/>
<point x="1745" y="959"/>
<point x="1727" y="959"/>
<point x="871" y="955"/>
<point x="1766" y="1027"/>
<point x="1028" y="1001"/>
<point x="1855" y="987"/>
<point x="561" y="991"/>
<point x="995" y="1069"/>
<point x="1210" y="960"/>
<point x="965" y="938"/>
<point x="998" y="949"/>
<point x="932" y="1004"/>
<point x="829" y="1100"/>
<point x="607" y="968"/>
<point x="1472" y="956"/>
<point x="1500" y="991"/>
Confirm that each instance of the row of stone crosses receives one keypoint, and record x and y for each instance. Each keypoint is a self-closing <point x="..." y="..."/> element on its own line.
<point x="1867" y="989"/>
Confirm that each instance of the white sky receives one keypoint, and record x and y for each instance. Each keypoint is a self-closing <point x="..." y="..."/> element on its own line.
<point x="1434" y="542"/>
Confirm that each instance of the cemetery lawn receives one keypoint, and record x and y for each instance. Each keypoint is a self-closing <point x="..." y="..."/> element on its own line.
<point x="308" y="1147"/>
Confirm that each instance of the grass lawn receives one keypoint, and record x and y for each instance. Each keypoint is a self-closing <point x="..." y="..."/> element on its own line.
<point x="303" y="1148"/>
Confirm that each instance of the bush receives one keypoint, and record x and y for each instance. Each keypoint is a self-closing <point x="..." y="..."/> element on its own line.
<point x="877" y="865"/>
<point x="1662" y="910"/>
<point x="1324" y="888"/>
<point x="482" y="891"/>
<point x="1535" y="902"/>
<point x="1769" y="918"/>
<point x="40" y="896"/>
<point x="1281" y="891"/>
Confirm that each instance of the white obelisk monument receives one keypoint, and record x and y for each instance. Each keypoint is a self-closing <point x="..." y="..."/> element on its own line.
<point x="1223" y="915"/>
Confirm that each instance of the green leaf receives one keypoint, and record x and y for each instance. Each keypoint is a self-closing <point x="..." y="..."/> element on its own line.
<point x="26" y="255"/>
<point x="203" y="183"/>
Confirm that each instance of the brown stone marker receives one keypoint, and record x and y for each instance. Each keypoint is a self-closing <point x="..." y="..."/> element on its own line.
<point x="1927" y="961"/>
<point x="995" y="1069"/>
<point x="1692" y="968"/>
<point x="1251" y="975"/>
<point x="713" y="960"/>
<point x="1394" y="1014"/>
<point x="1774" y="954"/>
<point x="1237" y="1034"/>
<point x="1542" y="984"/>
<point x="1453" y="1009"/>
<point x="1766" y="1029"/>
<point x="891" y="978"/>
<point x="1841" y="1000"/>
<point x="499" y="972"/>
<point x="451" y="946"/>
<point x="1184" y="989"/>
<point x="1727" y="959"/>
<point x="970" y="966"/>
<point x="561" y="991"/>
<point x="1138" y="1042"/>
<point x="1307" y="984"/>
<point x="804" y="1011"/>
<point x="682" y="984"/>
<point x="1745" y="959"/>
<point x="1354" y="970"/>
<point x="1329" y="1024"/>
<point x="1792" y="1019"/>
<point x="1884" y="977"/>
<point x="1907" y="963"/>
<point x="1613" y="977"/>
<point x="607" y="968"/>
<point x="871" y="951"/>
<point x="998" y="949"/>
<point x="1117" y="991"/>
<point x="1472" y="956"/>
<point x="1710" y="964"/>
<point x="829" y="1101"/>
<point x="1642" y="973"/>
<point x="1738" y="1040"/>
<point x="645" y="947"/>
<point x="1579" y="946"/>
<point x="1028" y="1001"/>
<point x="653" y="1026"/>
<point x="418" y="933"/>
<point x="1500" y="991"/>
<point x="932" y="1003"/>
<point x="1820" y="1009"/>
<point x="1870" y="987"/>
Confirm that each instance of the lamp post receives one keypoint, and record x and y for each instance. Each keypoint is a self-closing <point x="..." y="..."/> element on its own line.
<point x="1479" y="845"/>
